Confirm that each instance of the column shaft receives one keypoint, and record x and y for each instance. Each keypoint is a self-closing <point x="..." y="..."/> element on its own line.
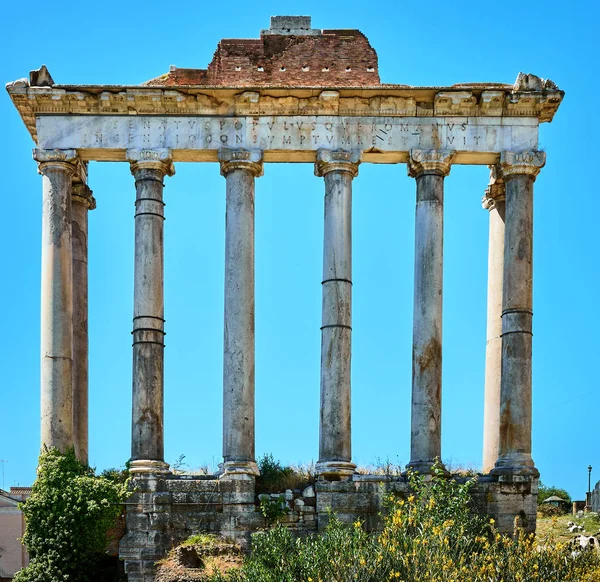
<point x="147" y="442"/>
<point x="429" y="168"/>
<point x="240" y="168"/>
<point x="519" y="172"/>
<point x="495" y="203"/>
<point x="82" y="202"/>
<point x="57" y="299"/>
<point x="335" y="434"/>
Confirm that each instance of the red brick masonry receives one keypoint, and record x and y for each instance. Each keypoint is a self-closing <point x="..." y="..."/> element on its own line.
<point x="333" y="58"/>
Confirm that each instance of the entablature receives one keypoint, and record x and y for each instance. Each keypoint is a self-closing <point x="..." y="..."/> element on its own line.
<point x="529" y="97"/>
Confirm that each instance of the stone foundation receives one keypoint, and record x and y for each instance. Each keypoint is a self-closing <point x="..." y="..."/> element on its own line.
<point x="165" y="510"/>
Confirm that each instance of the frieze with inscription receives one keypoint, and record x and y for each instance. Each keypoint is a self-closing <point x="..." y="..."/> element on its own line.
<point x="287" y="133"/>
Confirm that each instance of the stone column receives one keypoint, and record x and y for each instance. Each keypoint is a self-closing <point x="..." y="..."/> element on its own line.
<point x="82" y="202"/>
<point x="149" y="168"/>
<point x="338" y="168"/>
<point x="519" y="171"/>
<point x="494" y="201"/>
<point x="240" y="168"/>
<point x="429" y="167"/>
<point x="57" y="168"/>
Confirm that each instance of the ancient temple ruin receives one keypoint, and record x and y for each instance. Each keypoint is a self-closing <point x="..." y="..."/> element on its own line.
<point x="296" y="94"/>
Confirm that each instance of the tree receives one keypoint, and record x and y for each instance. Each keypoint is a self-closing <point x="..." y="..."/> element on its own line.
<point x="67" y="518"/>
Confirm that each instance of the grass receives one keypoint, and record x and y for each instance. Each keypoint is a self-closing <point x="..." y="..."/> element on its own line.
<point x="555" y="528"/>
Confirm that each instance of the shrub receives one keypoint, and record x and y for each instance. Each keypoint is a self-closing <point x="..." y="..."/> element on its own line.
<point x="430" y="536"/>
<point x="67" y="519"/>
<point x="275" y="478"/>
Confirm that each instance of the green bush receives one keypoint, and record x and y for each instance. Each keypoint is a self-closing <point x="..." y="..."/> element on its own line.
<point x="545" y="491"/>
<point x="275" y="478"/>
<point x="67" y="519"/>
<point x="430" y="536"/>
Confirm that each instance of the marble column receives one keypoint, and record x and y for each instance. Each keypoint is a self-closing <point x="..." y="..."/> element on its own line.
<point x="338" y="168"/>
<point x="519" y="171"/>
<point x="494" y="202"/>
<point x="240" y="168"/>
<point x="149" y="168"/>
<point x="82" y="202"/>
<point x="429" y="167"/>
<point x="57" y="168"/>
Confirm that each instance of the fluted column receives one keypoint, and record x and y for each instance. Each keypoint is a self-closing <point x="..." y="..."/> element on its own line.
<point x="429" y="167"/>
<point x="494" y="201"/>
<point x="149" y="168"/>
<point x="82" y="202"/>
<point x="519" y="171"/>
<point x="57" y="168"/>
<point x="240" y="168"/>
<point x="338" y="168"/>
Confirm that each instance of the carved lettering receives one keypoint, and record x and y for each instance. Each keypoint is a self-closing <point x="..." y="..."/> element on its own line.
<point x="238" y="138"/>
<point x="238" y="125"/>
<point x="223" y="138"/>
<point x="450" y="139"/>
<point x="287" y="139"/>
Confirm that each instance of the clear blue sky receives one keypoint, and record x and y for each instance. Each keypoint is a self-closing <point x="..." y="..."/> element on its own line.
<point x="434" y="43"/>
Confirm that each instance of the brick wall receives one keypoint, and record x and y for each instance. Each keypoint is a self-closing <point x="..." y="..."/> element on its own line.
<point x="332" y="58"/>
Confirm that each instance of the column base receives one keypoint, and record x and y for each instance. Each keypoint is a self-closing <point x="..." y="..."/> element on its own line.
<point x="334" y="470"/>
<point x="515" y="464"/>
<point x="427" y="467"/>
<point x="240" y="468"/>
<point x="146" y="466"/>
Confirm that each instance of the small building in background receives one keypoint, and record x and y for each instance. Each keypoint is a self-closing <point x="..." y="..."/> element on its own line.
<point x="13" y="555"/>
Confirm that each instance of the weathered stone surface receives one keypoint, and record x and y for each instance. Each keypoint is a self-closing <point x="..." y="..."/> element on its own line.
<point x="81" y="202"/>
<point x="147" y="442"/>
<point x="335" y="455"/>
<point x="289" y="137"/>
<point x="518" y="171"/>
<point x="494" y="202"/>
<point x="429" y="167"/>
<point x="57" y="169"/>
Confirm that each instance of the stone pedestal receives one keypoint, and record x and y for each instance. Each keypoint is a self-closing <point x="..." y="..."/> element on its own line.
<point x="494" y="201"/>
<point x="82" y="202"/>
<point x="519" y="171"/>
<point x="338" y="168"/>
<point x="240" y="168"/>
<point x="149" y="168"/>
<point x="429" y="167"/>
<point x="57" y="168"/>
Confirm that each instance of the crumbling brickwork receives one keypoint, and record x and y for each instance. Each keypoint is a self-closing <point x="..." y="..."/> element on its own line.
<point x="286" y="57"/>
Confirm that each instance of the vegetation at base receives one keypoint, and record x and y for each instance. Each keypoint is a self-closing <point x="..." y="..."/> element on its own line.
<point x="274" y="477"/>
<point x="430" y="536"/>
<point x="68" y="516"/>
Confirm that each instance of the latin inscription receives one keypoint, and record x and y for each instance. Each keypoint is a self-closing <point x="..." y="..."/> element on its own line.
<point x="286" y="133"/>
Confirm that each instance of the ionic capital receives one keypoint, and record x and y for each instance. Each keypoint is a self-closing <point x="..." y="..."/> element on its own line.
<point x="158" y="159"/>
<point x="496" y="190"/>
<point x="240" y="159"/>
<point x="421" y="162"/>
<point x="66" y="160"/>
<point x="81" y="194"/>
<point x="337" y="160"/>
<point x="528" y="163"/>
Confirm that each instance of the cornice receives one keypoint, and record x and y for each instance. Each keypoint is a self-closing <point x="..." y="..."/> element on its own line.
<point x="532" y="99"/>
